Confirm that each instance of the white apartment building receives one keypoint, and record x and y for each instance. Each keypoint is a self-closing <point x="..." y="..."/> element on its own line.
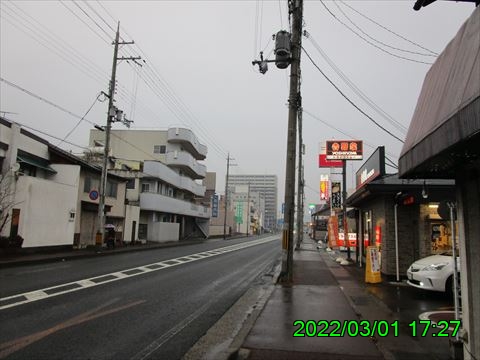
<point x="165" y="169"/>
<point x="267" y="185"/>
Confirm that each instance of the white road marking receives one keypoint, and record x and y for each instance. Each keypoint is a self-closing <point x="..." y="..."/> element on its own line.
<point x="123" y="274"/>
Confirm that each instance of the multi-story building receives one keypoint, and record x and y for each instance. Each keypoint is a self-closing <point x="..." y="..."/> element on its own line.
<point x="263" y="184"/>
<point x="164" y="167"/>
<point x="46" y="193"/>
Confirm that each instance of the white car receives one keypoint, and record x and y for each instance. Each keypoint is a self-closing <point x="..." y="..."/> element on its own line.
<point x="433" y="273"/>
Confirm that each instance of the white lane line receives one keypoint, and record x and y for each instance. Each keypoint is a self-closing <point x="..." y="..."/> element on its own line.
<point x="123" y="274"/>
<point x="35" y="295"/>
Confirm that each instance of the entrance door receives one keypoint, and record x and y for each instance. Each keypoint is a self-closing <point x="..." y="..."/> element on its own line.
<point x="134" y="228"/>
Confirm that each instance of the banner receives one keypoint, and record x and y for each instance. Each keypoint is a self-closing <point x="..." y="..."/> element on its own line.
<point x="239" y="213"/>
<point x="372" y="269"/>
<point x="336" y="195"/>
<point x="324" y="193"/>
<point x="215" y="206"/>
<point x="332" y="231"/>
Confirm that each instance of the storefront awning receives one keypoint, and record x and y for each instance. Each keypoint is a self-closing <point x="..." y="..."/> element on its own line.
<point x="445" y="128"/>
<point x="35" y="161"/>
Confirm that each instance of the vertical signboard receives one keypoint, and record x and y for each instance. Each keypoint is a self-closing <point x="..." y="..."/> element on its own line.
<point x="215" y="206"/>
<point x="336" y="195"/>
<point x="239" y="213"/>
<point x="324" y="190"/>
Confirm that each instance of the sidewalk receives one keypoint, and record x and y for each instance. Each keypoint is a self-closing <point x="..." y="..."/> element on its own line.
<point x="324" y="290"/>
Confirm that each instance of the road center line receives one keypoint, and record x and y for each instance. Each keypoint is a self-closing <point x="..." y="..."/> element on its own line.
<point x="8" y="302"/>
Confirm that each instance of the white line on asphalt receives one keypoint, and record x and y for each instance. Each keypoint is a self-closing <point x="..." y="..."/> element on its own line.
<point x="11" y="301"/>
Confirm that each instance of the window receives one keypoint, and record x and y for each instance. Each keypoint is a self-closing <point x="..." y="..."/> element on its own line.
<point x="131" y="184"/>
<point x="146" y="187"/>
<point x="91" y="184"/>
<point x="111" y="190"/>
<point x="159" y="149"/>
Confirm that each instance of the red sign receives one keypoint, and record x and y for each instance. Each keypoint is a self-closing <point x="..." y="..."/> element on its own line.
<point x="344" y="150"/>
<point x="378" y="235"/>
<point x="323" y="162"/>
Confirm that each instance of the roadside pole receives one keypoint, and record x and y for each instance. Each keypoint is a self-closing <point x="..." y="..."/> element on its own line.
<point x="296" y="7"/>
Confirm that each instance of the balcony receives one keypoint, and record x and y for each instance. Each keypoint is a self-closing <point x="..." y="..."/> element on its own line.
<point x="187" y="163"/>
<point x="189" y="142"/>
<point x="161" y="171"/>
<point x="162" y="203"/>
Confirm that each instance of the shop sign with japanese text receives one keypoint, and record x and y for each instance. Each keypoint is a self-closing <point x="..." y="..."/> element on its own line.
<point x="344" y="150"/>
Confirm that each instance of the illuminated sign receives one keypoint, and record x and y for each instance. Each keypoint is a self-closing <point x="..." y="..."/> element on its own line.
<point x="344" y="150"/>
<point x="322" y="159"/>
<point x="324" y="194"/>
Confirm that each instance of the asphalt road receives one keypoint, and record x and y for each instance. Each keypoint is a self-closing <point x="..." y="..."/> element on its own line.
<point x="144" y="305"/>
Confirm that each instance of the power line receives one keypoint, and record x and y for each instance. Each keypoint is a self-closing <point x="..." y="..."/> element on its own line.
<point x="91" y="18"/>
<point x="350" y="101"/>
<point x="368" y="41"/>
<point x="341" y="131"/>
<point x="79" y="121"/>
<point x="64" y="3"/>
<point x="376" y="40"/>
<point x="387" y="29"/>
<point x="355" y="89"/>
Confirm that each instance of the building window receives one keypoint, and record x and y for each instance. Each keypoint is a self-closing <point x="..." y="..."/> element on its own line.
<point x="146" y="187"/>
<point x="111" y="190"/>
<point x="131" y="184"/>
<point x="90" y="184"/>
<point x="159" y="149"/>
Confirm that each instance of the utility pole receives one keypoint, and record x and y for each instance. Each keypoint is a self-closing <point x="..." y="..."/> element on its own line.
<point x="295" y="8"/>
<point x="226" y="197"/>
<point x="113" y="114"/>
<point x="344" y="201"/>
<point x="248" y="209"/>
<point x="300" y="182"/>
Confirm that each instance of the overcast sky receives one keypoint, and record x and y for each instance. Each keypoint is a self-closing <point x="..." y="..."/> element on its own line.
<point x="198" y="73"/>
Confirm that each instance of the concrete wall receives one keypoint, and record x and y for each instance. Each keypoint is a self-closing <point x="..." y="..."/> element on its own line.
<point x="162" y="231"/>
<point x="468" y="212"/>
<point x="45" y="208"/>
<point x="132" y="213"/>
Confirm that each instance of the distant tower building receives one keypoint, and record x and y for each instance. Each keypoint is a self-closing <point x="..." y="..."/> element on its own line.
<point x="263" y="184"/>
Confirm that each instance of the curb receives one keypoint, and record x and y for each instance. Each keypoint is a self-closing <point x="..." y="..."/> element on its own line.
<point x="245" y="311"/>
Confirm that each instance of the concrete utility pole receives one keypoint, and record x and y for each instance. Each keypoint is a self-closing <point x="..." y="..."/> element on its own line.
<point x="226" y="198"/>
<point x="300" y="182"/>
<point x="344" y="200"/>
<point x="113" y="115"/>
<point x="296" y="8"/>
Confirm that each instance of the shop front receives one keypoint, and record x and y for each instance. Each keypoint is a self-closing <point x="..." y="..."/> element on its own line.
<point x="399" y="216"/>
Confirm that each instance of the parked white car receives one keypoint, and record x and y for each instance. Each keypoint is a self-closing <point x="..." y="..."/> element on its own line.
<point x="433" y="273"/>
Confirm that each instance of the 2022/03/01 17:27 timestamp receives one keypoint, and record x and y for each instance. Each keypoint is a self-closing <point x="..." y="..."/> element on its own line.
<point x="380" y="328"/>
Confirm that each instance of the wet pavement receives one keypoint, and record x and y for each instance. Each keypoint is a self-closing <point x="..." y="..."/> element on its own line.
<point x="328" y="295"/>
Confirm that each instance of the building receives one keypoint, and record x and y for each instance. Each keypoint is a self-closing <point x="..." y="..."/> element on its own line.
<point x="443" y="143"/>
<point x="49" y="200"/>
<point x="164" y="167"/>
<point x="263" y="184"/>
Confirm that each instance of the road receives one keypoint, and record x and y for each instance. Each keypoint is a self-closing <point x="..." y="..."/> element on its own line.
<point x="141" y="305"/>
